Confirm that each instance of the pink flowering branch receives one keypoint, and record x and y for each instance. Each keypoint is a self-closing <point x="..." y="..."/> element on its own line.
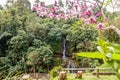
<point x="76" y="11"/>
<point x="73" y="9"/>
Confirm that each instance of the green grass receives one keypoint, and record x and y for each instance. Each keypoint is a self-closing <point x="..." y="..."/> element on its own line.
<point x="89" y="77"/>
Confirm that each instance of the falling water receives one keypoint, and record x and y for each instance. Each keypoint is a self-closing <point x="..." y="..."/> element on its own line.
<point x="2" y="35"/>
<point x="64" y="48"/>
<point x="71" y="65"/>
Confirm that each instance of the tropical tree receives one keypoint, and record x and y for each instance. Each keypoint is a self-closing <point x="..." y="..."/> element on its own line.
<point x="39" y="55"/>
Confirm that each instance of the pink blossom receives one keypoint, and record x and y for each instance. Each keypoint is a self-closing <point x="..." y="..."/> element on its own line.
<point x="52" y="15"/>
<point x="43" y="4"/>
<point x="82" y="14"/>
<point x="62" y="15"/>
<point x="53" y="9"/>
<point x="82" y="7"/>
<point x="100" y="26"/>
<point x="47" y="10"/>
<point x="55" y="3"/>
<point x="99" y="14"/>
<point x="70" y="2"/>
<point x="68" y="12"/>
<point x="106" y="20"/>
<point x="34" y="8"/>
<point x="91" y="6"/>
<point x="76" y="6"/>
<point x="57" y="9"/>
<point x="76" y="11"/>
<point x="65" y="17"/>
<point x="86" y="21"/>
<point x="95" y="4"/>
<point x="39" y="10"/>
<point x="37" y="5"/>
<point x="41" y="15"/>
<point x="88" y="12"/>
<point x="85" y="4"/>
<point x="58" y="17"/>
<point x="93" y="20"/>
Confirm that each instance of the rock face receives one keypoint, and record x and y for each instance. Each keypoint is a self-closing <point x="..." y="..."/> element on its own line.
<point x="79" y="74"/>
<point x="62" y="75"/>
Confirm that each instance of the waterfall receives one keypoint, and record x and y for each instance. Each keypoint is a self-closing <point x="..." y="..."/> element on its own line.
<point x="2" y="35"/>
<point x="71" y="65"/>
<point x="64" y="48"/>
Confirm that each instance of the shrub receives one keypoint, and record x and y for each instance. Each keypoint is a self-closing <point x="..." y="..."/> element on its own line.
<point x="55" y="71"/>
<point x="42" y="70"/>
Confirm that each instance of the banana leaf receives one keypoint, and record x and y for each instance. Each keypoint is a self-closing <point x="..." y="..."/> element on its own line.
<point x="91" y="55"/>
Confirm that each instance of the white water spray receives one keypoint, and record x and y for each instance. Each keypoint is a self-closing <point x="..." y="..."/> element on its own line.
<point x="64" y="48"/>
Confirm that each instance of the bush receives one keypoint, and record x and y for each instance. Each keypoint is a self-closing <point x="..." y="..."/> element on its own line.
<point x="87" y="62"/>
<point x="57" y="61"/>
<point x="55" y="71"/>
<point x="39" y="55"/>
<point x="42" y="70"/>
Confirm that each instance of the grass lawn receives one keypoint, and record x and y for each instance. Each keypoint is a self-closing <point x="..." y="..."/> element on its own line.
<point x="90" y="77"/>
